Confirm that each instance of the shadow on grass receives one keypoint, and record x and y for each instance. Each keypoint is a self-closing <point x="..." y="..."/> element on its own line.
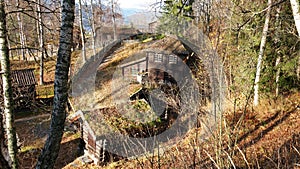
<point x="40" y="106"/>
<point x="284" y="157"/>
<point x="67" y="154"/>
<point x="270" y="128"/>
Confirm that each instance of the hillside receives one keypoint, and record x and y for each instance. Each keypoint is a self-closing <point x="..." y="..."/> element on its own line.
<point x="266" y="136"/>
<point x="158" y="84"/>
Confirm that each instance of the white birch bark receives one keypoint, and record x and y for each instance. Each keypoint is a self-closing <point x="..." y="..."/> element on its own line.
<point x="296" y="14"/>
<point x="92" y="21"/>
<point x="261" y="54"/>
<point x="7" y="90"/>
<point x="298" y="67"/>
<point x="50" y="151"/>
<point x="277" y="28"/>
<point x="22" y="35"/>
<point x="82" y="32"/>
<point x="41" y="40"/>
<point x="114" y="19"/>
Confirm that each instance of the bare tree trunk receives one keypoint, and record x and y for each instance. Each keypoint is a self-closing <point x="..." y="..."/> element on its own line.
<point x="41" y="40"/>
<point x="203" y="8"/>
<point x="7" y="90"/>
<point x="50" y="151"/>
<point x="99" y="24"/>
<point x="207" y="16"/>
<point x="277" y="29"/>
<point x="3" y="149"/>
<point x="298" y="67"/>
<point x="93" y="28"/>
<point x="261" y="54"/>
<point x="101" y="12"/>
<point x="82" y="32"/>
<point x="4" y="157"/>
<point x="114" y="19"/>
<point x="3" y="162"/>
<point x="296" y="14"/>
<point x="22" y="35"/>
<point x="277" y="75"/>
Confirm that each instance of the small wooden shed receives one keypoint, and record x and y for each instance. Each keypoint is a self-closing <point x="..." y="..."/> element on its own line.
<point x="92" y="133"/>
<point x="23" y="87"/>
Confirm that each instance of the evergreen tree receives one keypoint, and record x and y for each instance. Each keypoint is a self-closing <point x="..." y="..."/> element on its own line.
<point x="175" y="14"/>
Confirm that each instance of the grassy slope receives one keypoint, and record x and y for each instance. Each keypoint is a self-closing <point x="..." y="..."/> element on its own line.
<point x="267" y="136"/>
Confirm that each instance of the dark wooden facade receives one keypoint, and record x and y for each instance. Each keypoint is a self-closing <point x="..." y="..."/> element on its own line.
<point x="132" y="69"/>
<point x="94" y="146"/>
<point x="105" y="34"/>
<point x="24" y="87"/>
<point x="157" y="65"/>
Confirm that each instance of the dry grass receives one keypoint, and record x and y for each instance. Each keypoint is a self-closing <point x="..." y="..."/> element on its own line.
<point x="33" y="135"/>
<point x="266" y="139"/>
<point x="267" y="136"/>
<point x="105" y="80"/>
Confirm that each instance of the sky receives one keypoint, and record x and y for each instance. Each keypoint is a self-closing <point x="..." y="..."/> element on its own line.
<point x="139" y="4"/>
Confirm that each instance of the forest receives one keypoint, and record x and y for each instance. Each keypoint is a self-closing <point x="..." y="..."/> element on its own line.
<point x="205" y="84"/>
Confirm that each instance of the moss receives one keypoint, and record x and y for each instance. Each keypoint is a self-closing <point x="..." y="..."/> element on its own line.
<point x="46" y="91"/>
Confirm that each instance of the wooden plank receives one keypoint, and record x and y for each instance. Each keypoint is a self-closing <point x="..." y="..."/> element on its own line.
<point x="133" y="63"/>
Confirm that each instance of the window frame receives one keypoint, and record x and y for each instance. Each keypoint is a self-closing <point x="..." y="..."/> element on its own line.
<point x="158" y="58"/>
<point x="173" y="59"/>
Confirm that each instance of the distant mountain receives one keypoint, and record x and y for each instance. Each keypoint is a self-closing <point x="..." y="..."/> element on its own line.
<point x="129" y="11"/>
<point x="132" y="16"/>
<point x="139" y="18"/>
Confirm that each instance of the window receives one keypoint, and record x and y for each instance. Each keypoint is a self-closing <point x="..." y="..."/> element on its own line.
<point x="158" y="57"/>
<point x="172" y="59"/>
<point x="134" y="71"/>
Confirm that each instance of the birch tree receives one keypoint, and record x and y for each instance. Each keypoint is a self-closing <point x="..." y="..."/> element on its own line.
<point x="7" y="89"/>
<point x="3" y="162"/>
<point x="22" y="35"/>
<point x="114" y="19"/>
<point x="261" y="53"/>
<point x="50" y="151"/>
<point x="40" y="31"/>
<point x="92" y="21"/>
<point x="296" y="14"/>
<point x="277" y="28"/>
<point x="82" y="32"/>
<point x="202" y="11"/>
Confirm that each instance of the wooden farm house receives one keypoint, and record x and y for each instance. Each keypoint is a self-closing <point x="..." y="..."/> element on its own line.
<point x="105" y="34"/>
<point x="24" y="87"/>
<point x="156" y="64"/>
<point x="164" y="70"/>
